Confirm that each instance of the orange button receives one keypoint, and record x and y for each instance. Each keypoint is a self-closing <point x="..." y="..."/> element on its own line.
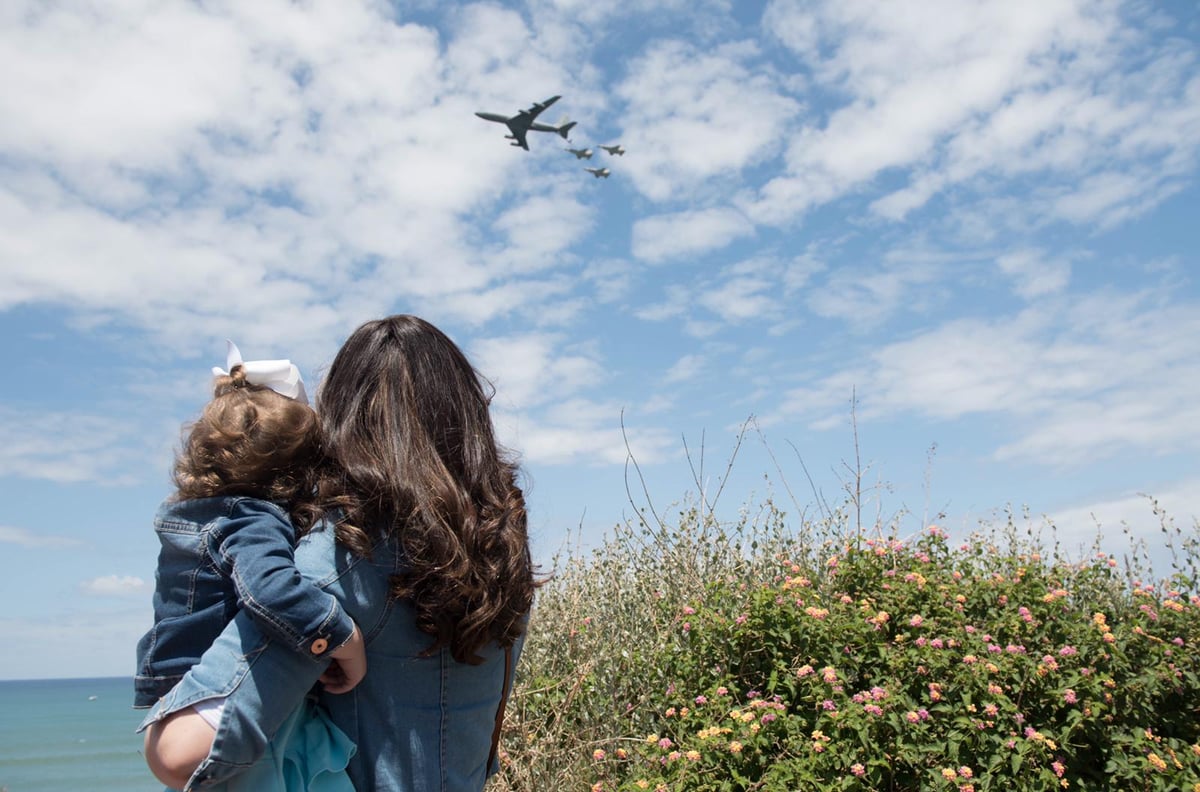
<point x="319" y="645"/>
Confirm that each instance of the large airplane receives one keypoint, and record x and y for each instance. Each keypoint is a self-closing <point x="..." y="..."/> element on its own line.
<point x="523" y="121"/>
<point x="599" y="173"/>
<point x="615" y="149"/>
<point x="584" y="153"/>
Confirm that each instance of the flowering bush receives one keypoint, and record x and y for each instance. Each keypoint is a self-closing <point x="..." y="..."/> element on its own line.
<point x="762" y="659"/>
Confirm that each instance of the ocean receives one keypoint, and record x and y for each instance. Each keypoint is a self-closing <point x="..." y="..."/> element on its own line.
<point x="71" y="734"/>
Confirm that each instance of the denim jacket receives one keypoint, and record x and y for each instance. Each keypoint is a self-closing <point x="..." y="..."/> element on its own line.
<point x="220" y="556"/>
<point x="421" y="723"/>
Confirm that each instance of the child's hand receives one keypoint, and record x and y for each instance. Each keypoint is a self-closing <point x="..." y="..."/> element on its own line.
<point x="348" y="667"/>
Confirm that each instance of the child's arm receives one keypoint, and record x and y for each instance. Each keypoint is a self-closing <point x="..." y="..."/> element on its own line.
<point x="256" y="549"/>
<point x="349" y="665"/>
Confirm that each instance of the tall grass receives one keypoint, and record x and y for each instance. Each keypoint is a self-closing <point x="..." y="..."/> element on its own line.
<point x="639" y="650"/>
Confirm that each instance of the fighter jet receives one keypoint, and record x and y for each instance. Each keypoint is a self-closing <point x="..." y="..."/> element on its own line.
<point x="599" y="173"/>
<point x="523" y="121"/>
<point x="615" y="149"/>
<point x="581" y="153"/>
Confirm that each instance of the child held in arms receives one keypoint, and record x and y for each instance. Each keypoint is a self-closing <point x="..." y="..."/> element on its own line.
<point x="245" y="493"/>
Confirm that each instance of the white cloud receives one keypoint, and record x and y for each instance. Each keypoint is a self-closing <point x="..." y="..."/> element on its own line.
<point x="983" y="94"/>
<point x="1034" y="276"/>
<point x="529" y="370"/>
<point x="694" y="114"/>
<point x="538" y="230"/>
<point x="1129" y="517"/>
<point x="746" y="291"/>
<point x="84" y="641"/>
<point x="26" y="538"/>
<point x="317" y="162"/>
<point x="753" y="290"/>
<point x="684" y="369"/>
<point x="581" y="431"/>
<point x="1079" y="378"/>
<point x="594" y="12"/>
<point x="670" y="236"/>
<point x="65" y="447"/>
<point x="114" y="586"/>
<point x="865" y="296"/>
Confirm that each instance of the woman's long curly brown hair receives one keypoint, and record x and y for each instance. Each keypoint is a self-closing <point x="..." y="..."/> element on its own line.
<point x="407" y="426"/>
<point x="250" y="440"/>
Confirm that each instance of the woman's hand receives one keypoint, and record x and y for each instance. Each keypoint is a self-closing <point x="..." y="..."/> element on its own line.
<point x="348" y="665"/>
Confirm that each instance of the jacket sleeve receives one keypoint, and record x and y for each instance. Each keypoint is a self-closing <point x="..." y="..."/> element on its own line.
<point x="256" y="549"/>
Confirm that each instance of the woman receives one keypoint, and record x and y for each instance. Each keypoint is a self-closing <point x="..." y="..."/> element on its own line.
<point x="431" y="561"/>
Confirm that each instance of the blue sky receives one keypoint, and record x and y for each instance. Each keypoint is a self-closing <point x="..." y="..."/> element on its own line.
<point x="979" y="217"/>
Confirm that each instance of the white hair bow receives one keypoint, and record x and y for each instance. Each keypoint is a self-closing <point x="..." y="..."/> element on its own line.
<point x="281" y="376"/>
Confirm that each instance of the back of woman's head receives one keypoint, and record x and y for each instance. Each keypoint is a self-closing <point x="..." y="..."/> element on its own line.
<point x="249" y="440"/>
<point x="406" y="419"/>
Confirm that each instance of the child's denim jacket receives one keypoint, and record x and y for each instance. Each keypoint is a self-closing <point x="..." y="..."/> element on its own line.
<point x="220" y="556"/>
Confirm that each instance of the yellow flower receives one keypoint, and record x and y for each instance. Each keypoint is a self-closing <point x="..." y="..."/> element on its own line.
<point x="1156" y="762"/>
<point x="949" y="774"/>
<point x="735" y="747"/>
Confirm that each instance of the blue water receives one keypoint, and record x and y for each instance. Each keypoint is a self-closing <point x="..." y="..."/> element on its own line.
<point x="55" y="736"/>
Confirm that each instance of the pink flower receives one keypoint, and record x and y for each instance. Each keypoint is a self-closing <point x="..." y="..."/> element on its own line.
<point x="858" y="770"/>
<point x="1070" y="697"/>
<point x="701" y="699"/>
<point x="665" y="743"/>
<point x="598" y="755"/>
<point x="688" y="610"/>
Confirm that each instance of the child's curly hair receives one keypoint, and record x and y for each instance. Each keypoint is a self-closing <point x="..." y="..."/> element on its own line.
<point x="250" y="440"/>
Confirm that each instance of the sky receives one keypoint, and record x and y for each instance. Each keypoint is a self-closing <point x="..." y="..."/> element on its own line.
<point x="956" y="242"/>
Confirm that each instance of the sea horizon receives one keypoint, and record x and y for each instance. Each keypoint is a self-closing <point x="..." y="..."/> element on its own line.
<point x="63" y="733"/>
